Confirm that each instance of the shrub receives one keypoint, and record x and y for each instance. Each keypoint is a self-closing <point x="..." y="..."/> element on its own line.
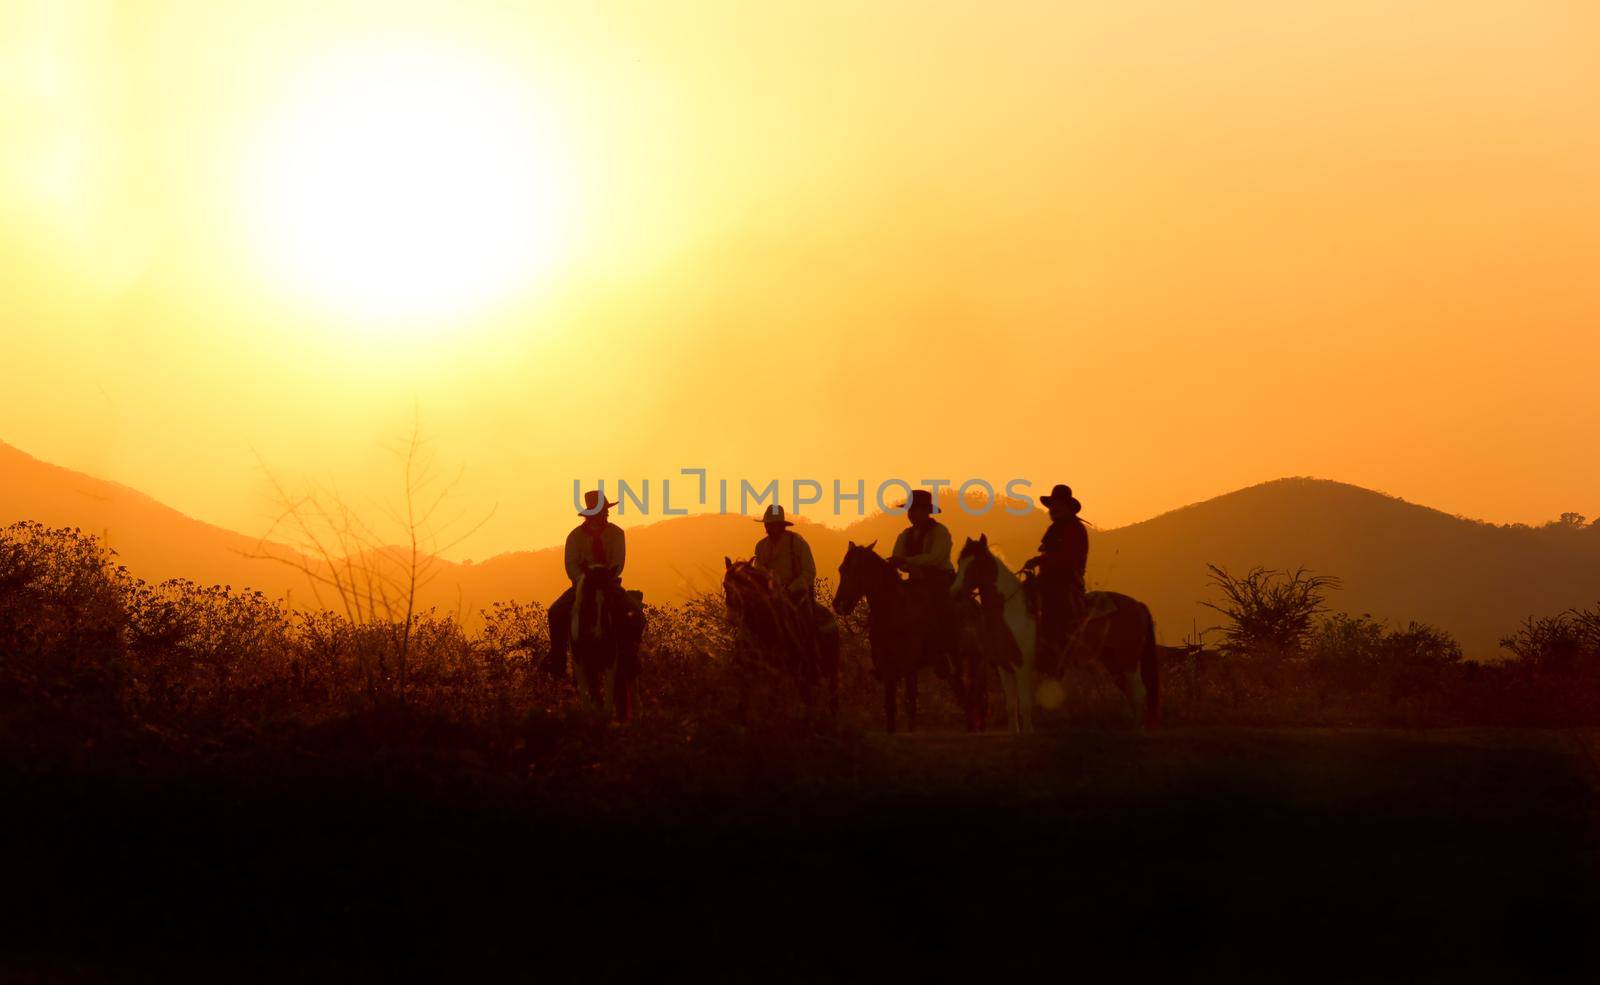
<point x="1269" y="613"/>
<point x="1562" y="644"/>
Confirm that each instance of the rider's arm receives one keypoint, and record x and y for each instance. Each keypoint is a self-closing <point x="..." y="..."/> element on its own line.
<point x="574" y="557"/>
<point x="1078" y="544"/>
<point x="620" y="555"/>
<point x="805" y="566"/>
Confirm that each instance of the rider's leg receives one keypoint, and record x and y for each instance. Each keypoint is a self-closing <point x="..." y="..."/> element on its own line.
<point x="560" y="620"/>
<point x="1048" y="626"/>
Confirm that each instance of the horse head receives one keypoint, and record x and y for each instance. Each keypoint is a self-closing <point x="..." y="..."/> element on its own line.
<point x="977" y="569"/>
<point x="742" y="582"/>
<point x="860" y="570"/>
<point x="597" y="591"/>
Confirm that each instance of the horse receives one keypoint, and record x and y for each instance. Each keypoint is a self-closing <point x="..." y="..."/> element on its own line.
<point x="898" y="633"/>
<point x="772" y="629"/>
<point x="1007" y="631"/>
<point x="1114" y="629"/>
<point x="607" y="624"/>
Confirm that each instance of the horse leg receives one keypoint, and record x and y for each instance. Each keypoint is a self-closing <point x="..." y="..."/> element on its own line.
<point x="889" y="684"/>
<point x="1025" y="696"/>
<point x="624" y="697"/>
<point x="581" y="680"/>
<point x="1136" y="697"/>
<point x="977" y="691"/>
<point x="833" y="691"/>
<point x="808" y="701"/>
<point x="744" y="669"/>
<point x="980" y="700"/>
<point x="1150" y="674"/>
<point x="1008" y="688"/>
<point x="968" y="667"/>
<point x="1024" y="693"/>
<point x="1127" y="681"/>
<point x="911" y="701"/>
<point x="608" y="691"/>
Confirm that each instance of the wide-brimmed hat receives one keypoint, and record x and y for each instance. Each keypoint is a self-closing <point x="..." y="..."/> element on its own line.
<point x="591" y="503"/>
<point x="919" y="497"/>
<point x="774" y="514"/>
<point x="1062" y="494"/>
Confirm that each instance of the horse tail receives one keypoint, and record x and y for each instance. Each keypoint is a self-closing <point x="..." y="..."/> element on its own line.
<point x="1150" y="672"/>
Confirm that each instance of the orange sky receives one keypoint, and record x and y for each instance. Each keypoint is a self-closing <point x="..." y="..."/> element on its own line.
<point x="1158" y="250"/>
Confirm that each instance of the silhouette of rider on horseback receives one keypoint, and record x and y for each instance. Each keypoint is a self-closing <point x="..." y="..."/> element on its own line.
<point x="922" y="551"/>
<point x="786" y="555"/>
<point x="594" y="541"/>
<point x="1059" y="568"/>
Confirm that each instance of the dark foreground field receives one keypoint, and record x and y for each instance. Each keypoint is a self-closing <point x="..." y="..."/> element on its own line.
<point x="1284" y="855"/>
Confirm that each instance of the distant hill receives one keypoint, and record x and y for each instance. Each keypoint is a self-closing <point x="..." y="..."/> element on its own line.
<point x="1397" y="560"/>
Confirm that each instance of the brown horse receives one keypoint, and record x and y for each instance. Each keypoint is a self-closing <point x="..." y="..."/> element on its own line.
<point x="1111" y="628"/>
<point x="607" y="624"/>
<point x="772" y="630"/>
<point x="899" y="634"/>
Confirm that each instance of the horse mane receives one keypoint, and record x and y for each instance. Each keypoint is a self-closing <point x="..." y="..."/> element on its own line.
<point x="870" y="550"/>
<point x="746" y="573"/>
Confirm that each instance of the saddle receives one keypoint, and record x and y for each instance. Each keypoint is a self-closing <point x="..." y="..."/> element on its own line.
<point x="1098" y="605"/>
<point x="1090" y="605"/>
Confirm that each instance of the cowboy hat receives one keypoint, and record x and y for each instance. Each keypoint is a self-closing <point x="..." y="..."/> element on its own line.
<point x="774" y="514"/>
<point x="919" y="497"/>
<point x="1062" y="494"/>
<point x="591" y="501"/>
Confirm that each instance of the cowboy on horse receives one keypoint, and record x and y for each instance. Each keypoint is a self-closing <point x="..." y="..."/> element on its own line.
<point x="595" y="541"/>
<point x="1058" y="570"/>
<point x="922" y="551"/>
<point x="786" y="555"/>
<point x="772" y="605"/>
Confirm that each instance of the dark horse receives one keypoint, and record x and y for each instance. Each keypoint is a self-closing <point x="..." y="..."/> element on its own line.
<point x="607" y="624"/>
<point x="1110" y="627"/>
<point x="900" y="636"/>
<point x="772" y="630"/>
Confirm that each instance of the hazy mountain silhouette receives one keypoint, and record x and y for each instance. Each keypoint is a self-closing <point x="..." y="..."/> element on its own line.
<point x="1398" y="560"/>
<point x="154" y="540"/>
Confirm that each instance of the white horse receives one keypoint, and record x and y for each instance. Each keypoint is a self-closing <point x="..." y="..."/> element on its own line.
<point x="1113" y="629"/>
<point x="1008" y="631"/>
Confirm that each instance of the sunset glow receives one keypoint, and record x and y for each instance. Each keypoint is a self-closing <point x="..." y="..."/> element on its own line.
<point x="409" y="186"/>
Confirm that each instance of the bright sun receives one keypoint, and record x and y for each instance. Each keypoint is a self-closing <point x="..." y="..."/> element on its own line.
<point x="408" y="186"/>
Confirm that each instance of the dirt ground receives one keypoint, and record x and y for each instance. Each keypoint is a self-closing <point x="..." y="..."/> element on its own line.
<point x="1218" y="855"/>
